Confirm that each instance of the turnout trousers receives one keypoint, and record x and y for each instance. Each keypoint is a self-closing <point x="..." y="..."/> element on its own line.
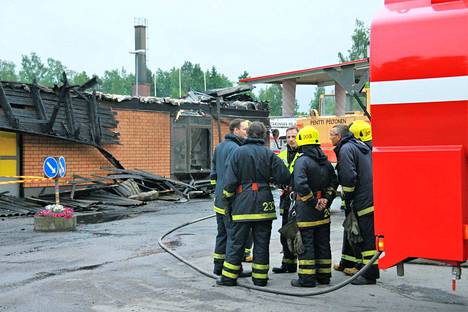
<point x="350" y="256"/>
<point x="237" y="238"/>
<point x="289" y="260"/>
<point x="367" y="247"/>
<point x="315" y="262"/>
<point x="221" y="241"/>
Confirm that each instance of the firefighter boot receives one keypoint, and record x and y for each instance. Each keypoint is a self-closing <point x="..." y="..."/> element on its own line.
<point x="285" y="268"/>
<point x="338" y="267"/>
<point x="218" y="268"/>
<point x="299" y="283"/>
<point x="217" y="271"/>
<point x="350" y="271"/>
<point x="323" y="280"/>
<point x="245" y="273"/>
<point x="226" y="282"/>
<point x="363" y="281"/>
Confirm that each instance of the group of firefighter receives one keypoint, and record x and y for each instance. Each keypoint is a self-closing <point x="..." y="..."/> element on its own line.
<point x="244" y="170"/>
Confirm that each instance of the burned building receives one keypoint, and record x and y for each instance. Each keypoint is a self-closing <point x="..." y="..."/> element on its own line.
<point x="168" y="137"/>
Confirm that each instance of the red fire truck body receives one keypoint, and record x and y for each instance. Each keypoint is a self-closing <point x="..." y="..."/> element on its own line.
<point x="419" y="97"/>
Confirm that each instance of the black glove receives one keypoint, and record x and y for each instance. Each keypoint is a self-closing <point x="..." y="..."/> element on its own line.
<point x="348" y="198"/>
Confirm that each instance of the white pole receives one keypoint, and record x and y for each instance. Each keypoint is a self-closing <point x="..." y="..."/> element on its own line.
<point x="136" y="74"/>
<point x="180" y="83"/>
<point x="204" y="79"/>
<point x="155" y="92"/>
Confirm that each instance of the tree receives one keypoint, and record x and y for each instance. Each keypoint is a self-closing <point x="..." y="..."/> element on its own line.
<point x="163" y="83"/>
<point x="54" y="72"/>
<point x="361" y="41"/>
<point x="77" y="78"/>
<point x="32" y="68"/>
<point x="215" y="80"/>
<point x="274" y="96"/>
<point x="117" y="82"/>
<point x="244" y="75"/>
<point x="8" y="71"/>
<point x="314" y="103"/>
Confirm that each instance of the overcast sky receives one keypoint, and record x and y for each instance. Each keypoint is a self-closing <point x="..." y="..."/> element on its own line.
<point x="260" y="36"/>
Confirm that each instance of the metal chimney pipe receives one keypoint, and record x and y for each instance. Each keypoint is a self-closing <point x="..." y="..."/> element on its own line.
<point x="141" y="86"/>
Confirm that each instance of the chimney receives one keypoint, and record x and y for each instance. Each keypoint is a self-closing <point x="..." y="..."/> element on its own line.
<point x="141" y="86"/>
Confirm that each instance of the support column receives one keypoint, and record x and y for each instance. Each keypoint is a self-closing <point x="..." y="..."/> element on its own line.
<point x="289" y="97"/>
<point x="340" y="100"/>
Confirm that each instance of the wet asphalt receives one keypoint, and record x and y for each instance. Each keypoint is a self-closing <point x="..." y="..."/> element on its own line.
<point x="118" y="266"/>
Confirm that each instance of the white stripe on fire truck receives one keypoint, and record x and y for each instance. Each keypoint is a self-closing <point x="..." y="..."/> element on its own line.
<point x="445" y="89"/>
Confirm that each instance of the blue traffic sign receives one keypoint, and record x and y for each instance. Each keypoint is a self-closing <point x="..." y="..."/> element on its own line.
<point x="62" y="167"/>
<point x="50" y="167"/>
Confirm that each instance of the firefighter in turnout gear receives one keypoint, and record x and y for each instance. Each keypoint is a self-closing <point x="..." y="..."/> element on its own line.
<point x="354" y="168"/>
<point x="222" y="153"/>
<point x="249" y="202"/>
<point x="315" y="184"/>
<point x="289" y="262"/>
<point x="351" y="259"/>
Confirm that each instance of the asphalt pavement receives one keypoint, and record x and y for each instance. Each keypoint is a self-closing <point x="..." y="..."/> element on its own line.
<point x="118" y="266"/>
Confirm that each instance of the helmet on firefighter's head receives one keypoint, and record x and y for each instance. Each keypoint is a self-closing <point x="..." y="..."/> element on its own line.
<point x="307" y="136"/>
<point x="361" y="130"/>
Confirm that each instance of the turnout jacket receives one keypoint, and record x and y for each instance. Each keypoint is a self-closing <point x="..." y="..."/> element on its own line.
<point x="288" y="156"/>
<point x="314" y="178"/>
<point x="250" y="170"/>
<point x="221" y="155"/>
<point x="354" y="168"/>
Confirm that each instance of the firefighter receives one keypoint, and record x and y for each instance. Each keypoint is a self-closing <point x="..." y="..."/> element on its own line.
<point x="232" y="141"/>
<point x="249" y="202"/>
<point x="351" y="257"/>
<point x="314" y="183"/>
<point x="354" y="166"/>
<point x="289" y="262"/>
<point x="362" y="131"/>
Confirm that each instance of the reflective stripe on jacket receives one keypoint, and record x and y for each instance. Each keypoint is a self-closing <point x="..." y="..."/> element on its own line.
<point x="314" y="178"/>
<point x="253" y="164"/>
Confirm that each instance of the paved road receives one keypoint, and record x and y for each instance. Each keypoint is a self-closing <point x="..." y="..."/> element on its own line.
<point x="118" y="266"/>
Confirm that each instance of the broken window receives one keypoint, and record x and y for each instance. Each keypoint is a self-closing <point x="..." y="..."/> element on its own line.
<point x="191" y="145"/>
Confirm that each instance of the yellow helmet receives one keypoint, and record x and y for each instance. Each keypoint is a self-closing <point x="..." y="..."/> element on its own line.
<point x="361" y="130"/>
<point x="307" y="135"/>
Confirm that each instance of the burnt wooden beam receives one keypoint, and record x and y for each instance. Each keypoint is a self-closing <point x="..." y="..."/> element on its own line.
<point x="88" y="84"/>
<point x="110" y="158"/>
<point x="12" y="120"/>
<point x="38" y="104"/>
<point x="69" y="108"/>
<point x="53" y="117"/>
<point x="93" y="119"/>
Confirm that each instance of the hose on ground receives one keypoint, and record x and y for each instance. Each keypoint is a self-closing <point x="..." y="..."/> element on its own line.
<point x="258" y="288"/>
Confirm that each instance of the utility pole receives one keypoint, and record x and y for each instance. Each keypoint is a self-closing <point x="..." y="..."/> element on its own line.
<point x="180" y="83"/>
<point x="204" y="79"/>
<point x="155" y="90"/>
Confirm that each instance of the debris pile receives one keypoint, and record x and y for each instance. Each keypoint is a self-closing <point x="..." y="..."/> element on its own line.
<point x="120" y="189"/>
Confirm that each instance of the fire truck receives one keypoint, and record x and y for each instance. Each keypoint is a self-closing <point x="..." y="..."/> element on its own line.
<point x="419" y="99"/>
<point x="418" y="73"/>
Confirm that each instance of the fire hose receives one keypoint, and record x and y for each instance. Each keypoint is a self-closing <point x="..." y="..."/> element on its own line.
<point x="262" y="289"/>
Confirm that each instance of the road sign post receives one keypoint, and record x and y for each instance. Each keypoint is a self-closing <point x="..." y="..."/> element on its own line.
<point x="55" y="168"/>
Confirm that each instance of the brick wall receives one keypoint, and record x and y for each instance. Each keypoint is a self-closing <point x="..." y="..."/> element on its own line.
<point x="144" y="144"/>
<point x="224" y="130"/>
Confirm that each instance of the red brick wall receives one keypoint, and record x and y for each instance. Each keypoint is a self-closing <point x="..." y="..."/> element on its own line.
<point x="224" y="130"/>
<point x="144" y="144"/>
<point x="145" y="139"/>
